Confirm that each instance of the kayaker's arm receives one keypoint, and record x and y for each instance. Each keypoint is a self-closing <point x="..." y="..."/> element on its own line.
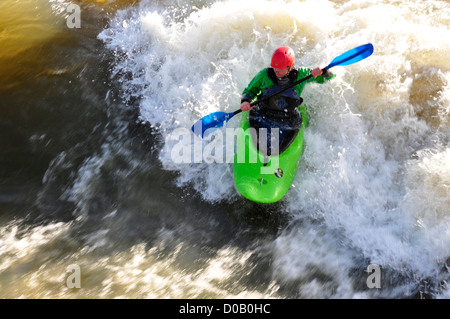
<point x="259" y="83"/>
<point x="255" y="85"/>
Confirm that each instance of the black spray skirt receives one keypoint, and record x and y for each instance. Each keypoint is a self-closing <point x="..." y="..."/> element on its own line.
<point x="269" y="124"/>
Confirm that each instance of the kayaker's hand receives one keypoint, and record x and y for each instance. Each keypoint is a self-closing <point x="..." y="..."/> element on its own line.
<point x="245" y="106"/>
<point x="316" y="72"/>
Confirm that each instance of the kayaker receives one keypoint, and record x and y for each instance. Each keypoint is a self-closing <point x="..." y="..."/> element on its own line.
<point x="281" y="72"/>
<point x="280" y="111"/>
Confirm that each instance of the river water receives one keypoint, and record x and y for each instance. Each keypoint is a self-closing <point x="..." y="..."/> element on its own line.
<point x="90" y="116"/>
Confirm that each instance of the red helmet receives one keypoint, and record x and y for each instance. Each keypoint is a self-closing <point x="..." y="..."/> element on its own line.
<point x="283" y="57"/>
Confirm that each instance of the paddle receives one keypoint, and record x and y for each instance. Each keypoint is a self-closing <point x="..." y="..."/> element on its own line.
<point x="218" y="119"/>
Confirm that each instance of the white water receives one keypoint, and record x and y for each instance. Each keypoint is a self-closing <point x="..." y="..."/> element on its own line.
<point x="374" y="186"/>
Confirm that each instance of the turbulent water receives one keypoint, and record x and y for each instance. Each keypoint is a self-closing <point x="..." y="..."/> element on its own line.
<point x="90" y="118"/>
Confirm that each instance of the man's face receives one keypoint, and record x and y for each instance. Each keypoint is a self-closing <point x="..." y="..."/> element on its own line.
<point x="281" y="72"/>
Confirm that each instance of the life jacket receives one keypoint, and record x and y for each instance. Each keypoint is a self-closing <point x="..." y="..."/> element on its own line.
<point x="284" y="105"/>
<point x="279" y="111"/>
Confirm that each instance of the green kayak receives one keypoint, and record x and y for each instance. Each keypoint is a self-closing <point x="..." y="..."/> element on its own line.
<point x="261" y="178"/>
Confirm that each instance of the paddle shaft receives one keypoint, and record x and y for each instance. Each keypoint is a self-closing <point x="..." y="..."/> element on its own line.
<point x="285" y="88"/>
<point x="280" y="91"/>
<point x="347" y="58"/>
<point x="343" y="59"/>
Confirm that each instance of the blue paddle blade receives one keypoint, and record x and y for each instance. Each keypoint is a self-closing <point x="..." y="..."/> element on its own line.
<point x="353" y="55"/>
<point x="213" y="120"/>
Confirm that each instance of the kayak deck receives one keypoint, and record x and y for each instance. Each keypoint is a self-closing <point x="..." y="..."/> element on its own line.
<point x="266" y="179"/>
